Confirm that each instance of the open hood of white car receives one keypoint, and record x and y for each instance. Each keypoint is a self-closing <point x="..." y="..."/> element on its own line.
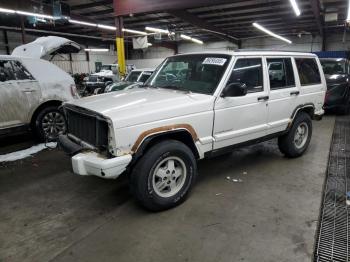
<point x="46" y="45"/>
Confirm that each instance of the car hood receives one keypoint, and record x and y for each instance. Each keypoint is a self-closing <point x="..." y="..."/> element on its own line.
<point x="141" y="105"/>
<point x="336" y="78"/>
<point x="46" y="45"/>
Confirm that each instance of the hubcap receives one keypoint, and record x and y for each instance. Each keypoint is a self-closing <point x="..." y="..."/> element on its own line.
<point x="169" y="176"/>
<point x="53" y="124"/>
<point x="301" y="135"/>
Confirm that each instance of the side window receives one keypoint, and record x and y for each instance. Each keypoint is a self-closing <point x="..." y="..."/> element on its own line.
<point x="21" y="73"/>
<point x="248" y="71"/>
<point x="281" y="73"/>
<point x="308" y="71"/>
<point x="6" y="71"/>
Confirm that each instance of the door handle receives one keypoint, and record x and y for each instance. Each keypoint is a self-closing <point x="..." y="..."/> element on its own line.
<point x="263" y="98"/>
<point x="294" y="93"/>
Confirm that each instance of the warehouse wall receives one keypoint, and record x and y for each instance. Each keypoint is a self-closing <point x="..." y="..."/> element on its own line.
<point x="79" y="62"/>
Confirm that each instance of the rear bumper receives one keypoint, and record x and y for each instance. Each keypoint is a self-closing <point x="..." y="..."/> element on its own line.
<point x="318" y="115"/>
<point x="86" y="162"/>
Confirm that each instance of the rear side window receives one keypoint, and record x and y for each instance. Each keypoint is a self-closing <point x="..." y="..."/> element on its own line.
<point x="248" y="71"/>
<point x="281" y="73"/>
<point x="21" y="72"/>
<point x="6" y="71"/>
<point x="308" y="71"/>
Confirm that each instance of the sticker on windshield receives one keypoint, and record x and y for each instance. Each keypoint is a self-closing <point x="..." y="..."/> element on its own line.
<point x="214" y="61"/>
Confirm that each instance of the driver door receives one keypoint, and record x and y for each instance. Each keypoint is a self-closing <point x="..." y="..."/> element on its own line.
<point x="243" y="118"/>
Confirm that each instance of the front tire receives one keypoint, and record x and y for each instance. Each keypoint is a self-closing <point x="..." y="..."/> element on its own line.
<point x="296" y="141"/>
<point x="164" y="175"/>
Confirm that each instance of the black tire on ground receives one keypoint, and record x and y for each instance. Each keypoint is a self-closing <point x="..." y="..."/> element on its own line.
<point x="143" y="182"/>
<point x="42" y="120"/>
<point x="287" y="144"/>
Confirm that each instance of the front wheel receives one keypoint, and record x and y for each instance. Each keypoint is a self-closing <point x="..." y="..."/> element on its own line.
<point x="164" y="175"/>
<point x="296" y="141"/>
<point x="50" y="123"/>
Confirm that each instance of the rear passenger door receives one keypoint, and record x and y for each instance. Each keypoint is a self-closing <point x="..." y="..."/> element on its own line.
<point x="312" y="86"/>
<point x="283" y="92"/>
<point x="242" y="118"/>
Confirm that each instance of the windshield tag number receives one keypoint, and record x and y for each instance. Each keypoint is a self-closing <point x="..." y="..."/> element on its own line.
<point x="214" y="61"/>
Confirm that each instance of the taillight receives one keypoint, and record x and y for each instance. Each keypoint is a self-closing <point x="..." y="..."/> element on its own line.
<point x="74" y="92"/>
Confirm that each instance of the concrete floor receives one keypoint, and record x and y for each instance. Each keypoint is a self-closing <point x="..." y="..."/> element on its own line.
<point x="49" y="214"/>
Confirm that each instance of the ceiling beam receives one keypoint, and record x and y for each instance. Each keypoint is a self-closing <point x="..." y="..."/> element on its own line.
<point x="315" y="6"/>
<point x="194" y="20"/>
<point x="90" y="5"/>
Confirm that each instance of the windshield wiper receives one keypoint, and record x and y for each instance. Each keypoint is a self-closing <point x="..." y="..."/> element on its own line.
<point x="176" y="88"/>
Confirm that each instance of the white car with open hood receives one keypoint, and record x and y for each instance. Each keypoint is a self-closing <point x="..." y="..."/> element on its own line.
<point x="194" y="106"/>
<point x="32" y="89"/>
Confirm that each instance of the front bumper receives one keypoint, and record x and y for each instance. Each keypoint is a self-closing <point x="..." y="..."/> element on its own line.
<point x="91" y="163"/>
<point x="86" y="162"/>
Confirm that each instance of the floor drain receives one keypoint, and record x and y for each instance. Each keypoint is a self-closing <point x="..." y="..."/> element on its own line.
<point x="332" y="239"/>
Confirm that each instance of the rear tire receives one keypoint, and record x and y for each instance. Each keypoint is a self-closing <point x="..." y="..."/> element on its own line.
<point x="49" y="123"/>
<point x="164" y="175"/>
<point x="296" y="141"/>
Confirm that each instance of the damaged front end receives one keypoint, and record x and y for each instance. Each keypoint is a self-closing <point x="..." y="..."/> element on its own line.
<point x="87" y="141"/>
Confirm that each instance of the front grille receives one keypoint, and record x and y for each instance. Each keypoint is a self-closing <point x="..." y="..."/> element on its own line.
<point x="87" y="126"/>
<point x="93" y="78"/>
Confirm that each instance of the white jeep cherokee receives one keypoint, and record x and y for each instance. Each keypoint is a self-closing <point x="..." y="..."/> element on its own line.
<point x="194" y="106"/>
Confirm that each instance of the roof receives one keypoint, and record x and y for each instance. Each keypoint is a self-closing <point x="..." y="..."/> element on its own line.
<point x="250" y="53"/>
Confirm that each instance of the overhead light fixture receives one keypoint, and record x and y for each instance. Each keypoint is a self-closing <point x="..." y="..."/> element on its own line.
<point x="81" y="22"/>
<point x="149" y="44"/>
<point x="96" y="49"/>
<point x="348" y="17"/>
<point x="34" y="14"/>
<point x="271" y="33"/>
<point x="108" y="27"/>
<point x="5" y="10"/>
<point x="295" y="7"/>
<point x="158" y="30"/>
<point x="19" y="12"/>
<point x="134" y="31"/>
<point x="195" y="40"/>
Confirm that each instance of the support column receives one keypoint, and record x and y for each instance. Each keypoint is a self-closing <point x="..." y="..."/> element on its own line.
<point x="23" y="30"/>
<point x="120" y="46"/>
<point x="6" y="40"/>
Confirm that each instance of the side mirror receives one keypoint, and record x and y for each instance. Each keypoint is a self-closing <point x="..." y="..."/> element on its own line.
<point x="234" y="89"/>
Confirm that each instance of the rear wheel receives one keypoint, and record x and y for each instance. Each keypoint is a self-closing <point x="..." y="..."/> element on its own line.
<point x="297" y="140"/>
<point x="164" y="175"/>
<point x="50" y="123"/>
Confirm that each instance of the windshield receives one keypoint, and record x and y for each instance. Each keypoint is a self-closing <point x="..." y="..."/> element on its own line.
<point x="133" y="76"/>
<point x="332" y="67"/>
<point x="193" y="73"/>
<point x="144" y="76"/>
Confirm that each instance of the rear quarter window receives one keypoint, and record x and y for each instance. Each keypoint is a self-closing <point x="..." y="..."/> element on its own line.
<point x="309" y="73"/>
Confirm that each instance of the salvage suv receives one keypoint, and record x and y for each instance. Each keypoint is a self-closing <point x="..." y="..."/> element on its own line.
<point x="32" y="89"/>
<point x="194" y="106"/>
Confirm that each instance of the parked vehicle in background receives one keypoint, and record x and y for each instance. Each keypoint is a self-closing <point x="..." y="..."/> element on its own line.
<point x="32" y="89"/>
<point x="337" y="73"/>
<point x="97" y="82"/>
<point x="194" y="106"/>
<point x="135" y="78"/>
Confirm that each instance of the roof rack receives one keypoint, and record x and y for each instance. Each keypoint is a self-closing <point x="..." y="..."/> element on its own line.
<point x="268" y="50"/>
